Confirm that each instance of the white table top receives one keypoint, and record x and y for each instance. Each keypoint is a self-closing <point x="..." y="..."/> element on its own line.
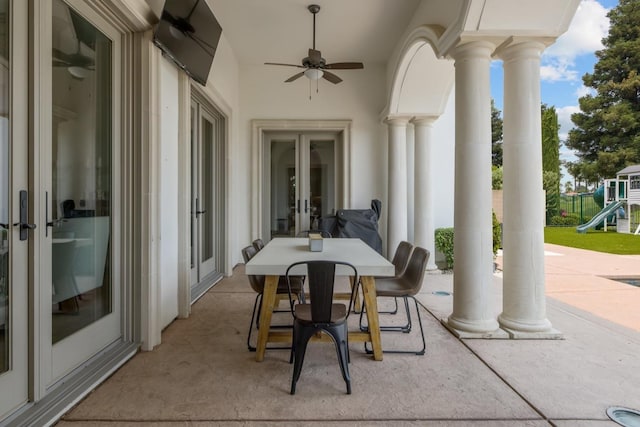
<point x="279" y="253"/>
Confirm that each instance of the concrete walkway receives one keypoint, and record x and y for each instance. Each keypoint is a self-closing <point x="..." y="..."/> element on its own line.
<point x="203" y="374"/>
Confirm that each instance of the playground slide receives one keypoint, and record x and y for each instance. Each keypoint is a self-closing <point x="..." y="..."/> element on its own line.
<point x="599" y="217"/>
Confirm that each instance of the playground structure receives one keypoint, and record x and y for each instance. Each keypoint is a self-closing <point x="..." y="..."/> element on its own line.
<point x="620" y="203"/>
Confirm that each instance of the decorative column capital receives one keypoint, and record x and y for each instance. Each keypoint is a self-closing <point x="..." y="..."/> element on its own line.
<point x="424" y="120"/>
<point x="479" y="49"/>
<point x="397" y="120"/>
<point x="518" y="49"/>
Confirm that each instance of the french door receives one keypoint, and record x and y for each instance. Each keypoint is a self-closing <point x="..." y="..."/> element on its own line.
<point x="78" y="187"/>
<point x="14" y="255"/>
<point x="303" y="181"/>
<point x="207" y="196"/>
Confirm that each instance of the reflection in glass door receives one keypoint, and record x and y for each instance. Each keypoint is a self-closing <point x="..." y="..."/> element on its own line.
<point x="302" y="176"/>
<point x="14" y="323"/>
<point x="84" y="301"/>
<point x="81" y="172"/>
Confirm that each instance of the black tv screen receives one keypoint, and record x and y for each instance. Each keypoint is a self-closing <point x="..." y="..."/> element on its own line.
<point x="189" y="33"/>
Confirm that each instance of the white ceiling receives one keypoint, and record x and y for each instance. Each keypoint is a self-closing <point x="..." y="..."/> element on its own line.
<point x="282" y="30"/>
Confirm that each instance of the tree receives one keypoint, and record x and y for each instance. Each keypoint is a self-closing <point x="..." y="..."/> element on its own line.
<point x="496" y="135"/>
<point x="551" y="159"/>
<point x="607" y="129"/>
<point x="496" y="177"/>
<point x="550" y="139"/>
<point x="568" y="187"/>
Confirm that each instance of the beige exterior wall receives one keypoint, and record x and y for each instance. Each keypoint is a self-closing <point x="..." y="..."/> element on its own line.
<point x="496" y="203"/>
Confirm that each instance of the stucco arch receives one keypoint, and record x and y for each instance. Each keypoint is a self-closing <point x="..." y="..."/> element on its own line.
<point x="421" y="81"/>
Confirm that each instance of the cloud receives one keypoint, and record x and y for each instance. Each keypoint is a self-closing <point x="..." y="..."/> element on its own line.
<point x="584" y="36"/>
<point x="564" y="120"/>
<point x="555" y="72"/>
<point x="583" y="90"/>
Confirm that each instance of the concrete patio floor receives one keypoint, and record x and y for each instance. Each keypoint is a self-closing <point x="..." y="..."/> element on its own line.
<point x="202" y="374"/>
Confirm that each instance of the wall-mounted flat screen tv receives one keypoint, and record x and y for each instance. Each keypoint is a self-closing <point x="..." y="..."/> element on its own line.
<point x="189" y="33"/>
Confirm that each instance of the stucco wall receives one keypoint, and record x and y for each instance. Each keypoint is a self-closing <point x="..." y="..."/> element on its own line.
<point x="360" y="98"/>
<point x="168" y="200"/>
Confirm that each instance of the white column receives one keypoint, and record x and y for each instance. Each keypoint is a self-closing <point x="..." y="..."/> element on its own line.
<point x="524" y="308"/>
<point x="473" y="250"/>
<point x="397" y="190"/>
<point x="423" y="188"/>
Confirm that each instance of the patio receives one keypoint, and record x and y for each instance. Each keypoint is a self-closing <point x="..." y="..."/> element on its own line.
<point x="203" y="374"/>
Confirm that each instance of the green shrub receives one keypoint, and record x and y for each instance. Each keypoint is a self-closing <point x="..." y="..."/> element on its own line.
<point x="497" y="234"/>
<point x="566" y="221"/>
<point x="444" y="243"/>
<point x="444" y="240"/>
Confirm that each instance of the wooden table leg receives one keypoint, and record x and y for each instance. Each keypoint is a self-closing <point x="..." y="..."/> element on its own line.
<point x="370" y="302"/>
<point x="268" y="301"/>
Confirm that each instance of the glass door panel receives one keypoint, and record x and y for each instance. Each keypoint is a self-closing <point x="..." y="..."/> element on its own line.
<point x="208" y="210"/>
<point x="284" y="206"/>
<point x="84" y="298"/>
<point x="321" y="180"/>
<point x="300" y="170"/>
<point x="81" y="172"/>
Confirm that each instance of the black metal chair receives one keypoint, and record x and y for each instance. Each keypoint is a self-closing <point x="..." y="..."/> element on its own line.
<point x="325" y="234"/>
<point x="258" y="244"/>
<point x="320" y="313"/>
<point x="406" y="286"/>
<point x="257" y="284"/>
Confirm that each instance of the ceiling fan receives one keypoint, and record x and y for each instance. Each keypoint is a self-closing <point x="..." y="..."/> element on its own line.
<point x="62" y="59"/>
<point x="315" y="66"/>
<point x="78" y="64"/>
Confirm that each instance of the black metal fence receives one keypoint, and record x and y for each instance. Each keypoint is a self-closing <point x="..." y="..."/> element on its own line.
<point x="581" y="205"/>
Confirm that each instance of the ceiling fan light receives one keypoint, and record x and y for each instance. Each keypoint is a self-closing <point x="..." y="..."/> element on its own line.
<point x="313" y="73"/>
<point x="78" y="72"/>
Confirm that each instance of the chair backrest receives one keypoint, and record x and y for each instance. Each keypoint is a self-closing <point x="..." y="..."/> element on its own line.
<point x="321" y="282"/>
<point x="258" y="244"/>
<point x="401" y="257"/>
<point x="414" y="274"/>
<point x="256" y="282"/>
<point x="324" y="233"/>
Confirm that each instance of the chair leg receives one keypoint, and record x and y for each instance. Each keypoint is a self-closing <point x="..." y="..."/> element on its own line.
<point x="253" y="315"/>
<point x="406" y="328"/>
<point x="419" y="352"/>
<point x="340" y="336"/>
<point x="300" y="340"/>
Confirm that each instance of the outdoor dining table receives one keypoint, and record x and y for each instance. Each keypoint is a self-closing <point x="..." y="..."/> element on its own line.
<point x="273" y="260"/>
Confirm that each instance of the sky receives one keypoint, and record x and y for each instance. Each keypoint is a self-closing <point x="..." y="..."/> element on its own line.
<point x="563" y="64"/>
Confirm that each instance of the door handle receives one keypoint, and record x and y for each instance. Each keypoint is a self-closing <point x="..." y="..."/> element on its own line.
<point x="298" y="209"/>
<point x="24" y="216"/>
<point x="197" y="211"/>
<point x="306" y="206"/>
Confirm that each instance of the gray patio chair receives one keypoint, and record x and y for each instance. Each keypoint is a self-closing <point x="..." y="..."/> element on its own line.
<point x="257" y="284"/>
<point x="406" y="286"/>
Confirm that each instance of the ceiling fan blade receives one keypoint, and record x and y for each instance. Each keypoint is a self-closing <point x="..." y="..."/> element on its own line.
<point x="294" y="77"/>
<point x="315" y="56"/>
<point x="331" y="77"/>
<point x="285" y="65"/>
<point x="345" y="66"/>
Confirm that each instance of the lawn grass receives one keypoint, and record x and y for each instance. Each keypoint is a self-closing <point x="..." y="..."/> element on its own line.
<point x="594" y="240"/>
